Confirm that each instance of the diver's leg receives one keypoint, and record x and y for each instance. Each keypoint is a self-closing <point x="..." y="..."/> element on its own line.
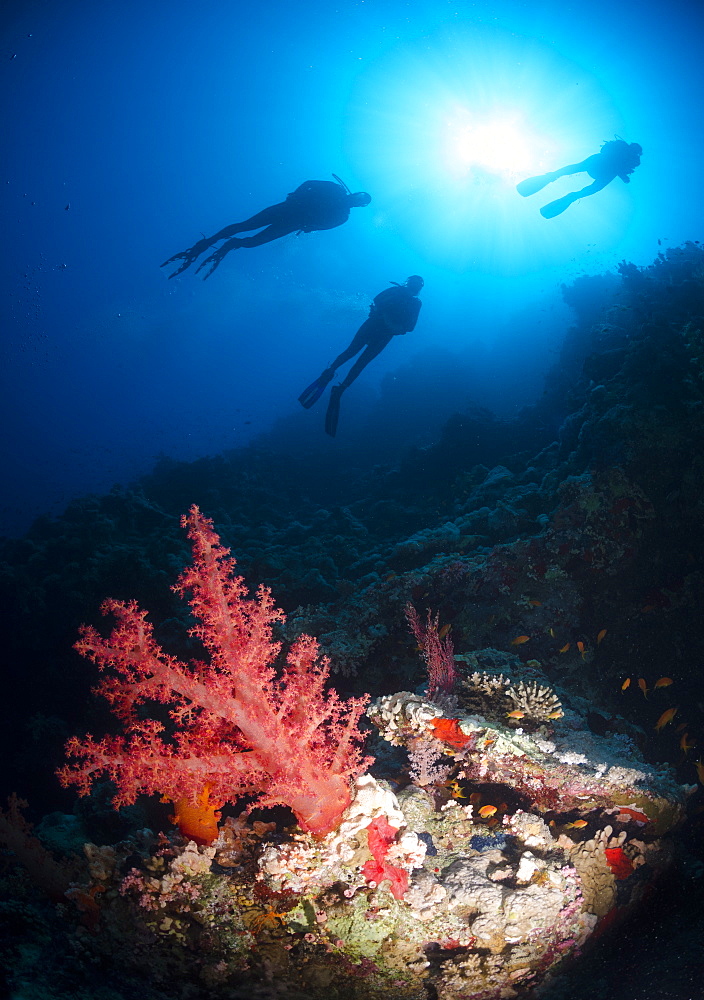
<point x="265" y="236"/>
<point x="217" y="257"/>
<point x="572" y="168"/>
<point x="589" y="189"/>
<point x="359" y="341"/>
<point x="558" y="207"/>
<point x="273" y="232"/>
<point x="370" y="352"/>
<point x="267" y="217"/>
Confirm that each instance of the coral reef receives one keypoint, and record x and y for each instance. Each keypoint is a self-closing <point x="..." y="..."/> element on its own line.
<point x="508" y="823"/>
<point x="525" y="703"/>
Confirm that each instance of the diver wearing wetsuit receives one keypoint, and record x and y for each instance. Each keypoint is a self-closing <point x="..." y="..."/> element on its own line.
<point x="313" y="206"/>
<point x="616" y="158"/>
<point x="392" y="313"/>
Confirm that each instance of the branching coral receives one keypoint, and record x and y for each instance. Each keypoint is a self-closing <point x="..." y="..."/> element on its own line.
<point x="238" y="728"/>
<point x="496" y="696"/>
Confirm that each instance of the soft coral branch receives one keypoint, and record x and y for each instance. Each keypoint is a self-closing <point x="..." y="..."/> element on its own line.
<point x="239" y="728"/>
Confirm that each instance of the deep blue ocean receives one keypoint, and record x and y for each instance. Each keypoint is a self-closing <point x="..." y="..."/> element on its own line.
<point x="526" y="463"/>
<point x="131" y="129"/>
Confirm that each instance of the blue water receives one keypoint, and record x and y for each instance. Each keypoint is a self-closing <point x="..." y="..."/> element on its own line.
<point x="131" y="128"/>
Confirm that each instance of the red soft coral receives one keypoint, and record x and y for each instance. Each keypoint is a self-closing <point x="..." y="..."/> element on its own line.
<point x="239" y="729"/>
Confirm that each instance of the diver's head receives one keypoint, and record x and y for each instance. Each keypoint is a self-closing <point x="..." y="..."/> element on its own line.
<point x="637" y="148"/>
<point x="360" y="199"/>
<point x="414" y="284"/>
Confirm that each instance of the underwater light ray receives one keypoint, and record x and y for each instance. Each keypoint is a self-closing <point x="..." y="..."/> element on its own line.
<point x="445" y="129"/>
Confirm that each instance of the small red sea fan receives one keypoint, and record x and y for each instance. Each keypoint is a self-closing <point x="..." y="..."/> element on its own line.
<point x="437" y="650"/>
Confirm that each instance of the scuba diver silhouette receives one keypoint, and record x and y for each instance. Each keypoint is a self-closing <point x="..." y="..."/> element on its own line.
<point x="312" y="206"/>
<point x="393" y="312"/>
<point x="616" y="158"/>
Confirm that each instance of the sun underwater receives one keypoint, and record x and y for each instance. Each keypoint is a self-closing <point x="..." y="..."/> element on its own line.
<point x="446" y="126"/>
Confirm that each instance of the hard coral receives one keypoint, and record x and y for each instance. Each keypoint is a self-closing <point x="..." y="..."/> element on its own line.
<point x="495" y="695"/>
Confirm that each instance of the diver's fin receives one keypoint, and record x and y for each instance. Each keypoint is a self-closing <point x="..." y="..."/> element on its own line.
<point x="554" y="208"/>
<point x="316" y="389"/>
<point x="534" y="184"/>
<point x="333" y="413"/>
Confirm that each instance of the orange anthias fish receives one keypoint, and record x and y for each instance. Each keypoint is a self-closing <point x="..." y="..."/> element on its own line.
<point x="626" y="684"/>
<point x="600" y="635"/>
<point x="667" y="716"/>
<point x="565" y="647"/>
<point x="455" y="790"/>
<point x="662" y="683"/>
<point x="580" y="647"/>
<point x="578" y="824"/>
<point x="516" y="714"/>
<point x="519" y="640"/>
<point x="685" y="745"/>
<point x="486" y="811"/>
<point x="700" y="771"/>
<point x="643" y="686"/>
<point x="536" y="604"/>
<point x="444" y="630"/>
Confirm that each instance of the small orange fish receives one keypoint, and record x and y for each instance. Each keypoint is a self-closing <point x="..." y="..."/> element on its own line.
<point x="486" y="811"/>
<point x="667" y="716"/>
<point x="475" y="798"/>
<point x="580" y="647"/>
<point x="556" y="715"/>
<point x="536" y="604"/>
<point x="516" y="714"/>
<point x="578" y="824"/>
<point x="648" y="608"/>
<point x="565" y="647"/>
<point x="700" y="771"/>
<point x="444" y="630"/>
<point x="685" y="745"/>
<point x="626" y="684"/>
<point x="455" y="790"/>
<point x="519" y="640"/>
<point x="600" y="636"/>
<point x="643" y="686"/>
<point x="664" y="682"/>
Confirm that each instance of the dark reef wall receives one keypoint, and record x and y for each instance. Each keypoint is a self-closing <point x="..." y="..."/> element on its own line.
<point x="583" y="514"/>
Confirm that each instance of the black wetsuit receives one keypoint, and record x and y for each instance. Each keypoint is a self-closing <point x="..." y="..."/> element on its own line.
<point x="317" y="205"/>
<point x="394" y="311"/>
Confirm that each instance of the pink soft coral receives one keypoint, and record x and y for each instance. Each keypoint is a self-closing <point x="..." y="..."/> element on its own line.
<point x="239" y="728"/>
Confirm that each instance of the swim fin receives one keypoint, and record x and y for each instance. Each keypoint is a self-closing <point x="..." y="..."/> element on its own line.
<point x="534" y="184"/>
<point x="333" y="412"/>
<point x="316" y="389"/>
<point x="554" y="208"/>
